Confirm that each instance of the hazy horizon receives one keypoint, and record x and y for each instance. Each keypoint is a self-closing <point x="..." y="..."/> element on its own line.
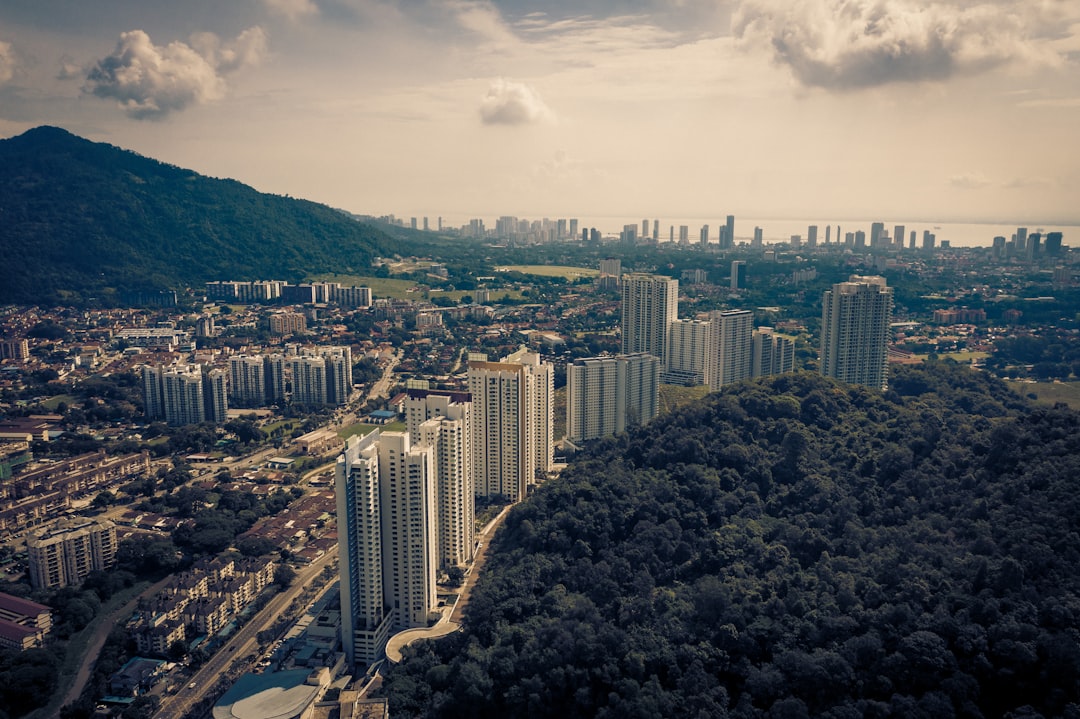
<point x="961" y="110"/>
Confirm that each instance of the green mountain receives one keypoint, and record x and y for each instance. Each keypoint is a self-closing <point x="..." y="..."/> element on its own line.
<point x="81" y="219"/>
<point x="790" y="547"/>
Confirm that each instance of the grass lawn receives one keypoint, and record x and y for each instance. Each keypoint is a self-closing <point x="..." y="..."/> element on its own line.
<point x="287" y="424"/>
<point x="362" y="429"/>
<point x="1050" y="393"/>
<point x="53" y="402"/>
<point x="570" y="273"/>
<point x="961" y="357"/>
<point x="673" y="396"/>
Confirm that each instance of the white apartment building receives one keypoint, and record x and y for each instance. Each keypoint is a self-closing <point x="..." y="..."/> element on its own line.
<point x="729" y="352"/>
<point x="650" y="304"/>
<point x="443" y="420"/>
<point x="67" y="552"/>
<point x="855" y="321"/>
<point x="607" y="395"/>
<point x="772" y="354"/>
<point x="688" y="341"/>
<point x="512" y="423"/>
<point x="386" y="510"/>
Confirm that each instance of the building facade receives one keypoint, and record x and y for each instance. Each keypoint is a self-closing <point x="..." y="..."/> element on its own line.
<point x="608" y="395"/>
<point x="443" y="420"/>
<point x="67" y="552"/>
<point x="513" y="441"/>
<point x="728" y="356"/>
<point x="386" y="510"/>
<point x="855" y="321"/>
<point x="650" y="304"/>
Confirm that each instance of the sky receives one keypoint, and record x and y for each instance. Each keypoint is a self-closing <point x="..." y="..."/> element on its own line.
<point x="957" y="110"/>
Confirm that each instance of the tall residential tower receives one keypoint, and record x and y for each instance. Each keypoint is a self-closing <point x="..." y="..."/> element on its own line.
<point x="855" y="331"/>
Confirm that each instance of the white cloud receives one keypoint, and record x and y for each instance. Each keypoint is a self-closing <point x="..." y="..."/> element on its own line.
<point x="849" y="44"/>
<point x="292" y="9"/>
<point x="7" y="62"/>
<point x="151" y="81"/>
<point x="970" y="181"/>
<point x="70" y="70"/>
<point x="512" y="103"/>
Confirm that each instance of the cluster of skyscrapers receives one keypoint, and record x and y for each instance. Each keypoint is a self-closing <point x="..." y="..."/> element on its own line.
<point x="185" y="394"/>
<point x="405" y="500"/>
<point x="190" y="394"/>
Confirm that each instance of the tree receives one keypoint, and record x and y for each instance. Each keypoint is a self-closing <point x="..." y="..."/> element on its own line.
<point x="284" y="576"/>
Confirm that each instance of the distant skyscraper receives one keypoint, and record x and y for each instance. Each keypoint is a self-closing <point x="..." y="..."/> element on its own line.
<point x="728" y="355"/>
<point x="703" y="235"/>
<point x="656" y="230"/>
<point x="573" y="227"/>
<point x="898" y="237"/>
<point x="729" y="234"/>
<point x="758" y="237"/>
<point x="644" y="229"/>
<point x="911" y="241"/>
<point x="877" y="234"/>
<point x="811" y="236"/>
<point x="684" y="234"/>
<point x="928" y="239"/>
<point x="738" y="274"/>
<point x="855" y="331"/>
<point x="1053" y="243"/>
<point x="512" y="423"/>
<point x="607" y="395"/>
<point x="1021" y="240"/>
<point x="649" y="305"/>
<point x="611" y="266"/>
<point x="322" y="376"/>
<point x="828" y="234"/>
<point x="387" y="538"/>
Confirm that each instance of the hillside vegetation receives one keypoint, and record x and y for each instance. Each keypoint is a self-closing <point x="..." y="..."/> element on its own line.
<point x="79" y="218"/>
<point x="786" y="548"/>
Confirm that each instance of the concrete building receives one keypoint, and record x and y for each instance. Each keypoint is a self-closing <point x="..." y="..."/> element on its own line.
<point x="386" y="508"/>
<point x="738" y="275"/>
<point x="650" y="303"/>
<point x="185" y="394"/>
<point x="287" y="323"/>
<point x="443" y="419"/>
<point x="512" y="438"/>
<point x="687" y="344"/>
<point x="65" y="553"/>
<point x="855" y="321"/>
<point x="608" y="395"/>
<point x="247" y="380"/>
<point x="23" y="623"/>
<point x="308" y="380"/>
<point x="728" y="354"/>
<point x="772" y="353"/>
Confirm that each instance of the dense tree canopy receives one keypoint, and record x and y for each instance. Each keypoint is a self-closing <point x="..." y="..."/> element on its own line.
<point x="786" y="548"/>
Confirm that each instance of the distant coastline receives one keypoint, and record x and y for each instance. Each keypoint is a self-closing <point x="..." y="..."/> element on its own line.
<point x="956" y="234"/>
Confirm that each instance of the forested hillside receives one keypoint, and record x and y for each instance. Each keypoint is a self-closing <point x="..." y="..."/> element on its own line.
<point x="788" y="548"/>
<point x="79" y="218"/>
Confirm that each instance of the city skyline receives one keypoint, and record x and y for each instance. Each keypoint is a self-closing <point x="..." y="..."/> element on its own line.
<point x="955" y="112"/>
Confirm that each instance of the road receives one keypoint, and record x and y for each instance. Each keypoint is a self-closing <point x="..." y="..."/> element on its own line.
<point x="97" y="641"/>
<point x="233" y="653"/>
<point x="382" y="387"/>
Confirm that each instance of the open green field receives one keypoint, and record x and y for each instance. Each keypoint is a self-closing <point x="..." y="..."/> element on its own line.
<point x="362" y="429"/>
<point x="673" y="396"/>
<point x="964" y="357"/>
<point x="53" y="402"/>
<point x="1050" y="392"/>
<point x="570" y="273"/>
